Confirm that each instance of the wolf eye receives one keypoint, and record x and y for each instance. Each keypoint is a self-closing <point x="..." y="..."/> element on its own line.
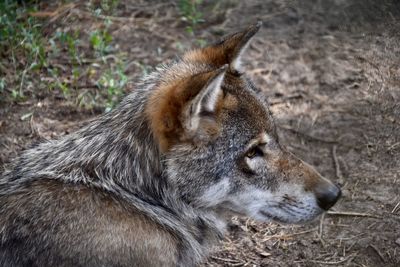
<point x="254" y="152"/>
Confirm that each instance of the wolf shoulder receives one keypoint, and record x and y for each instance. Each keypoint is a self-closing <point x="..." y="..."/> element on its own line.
<point x="58" y="224"/>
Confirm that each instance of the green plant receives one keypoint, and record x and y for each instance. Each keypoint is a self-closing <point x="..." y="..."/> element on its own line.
<point x="26" y="56"/>
<point x="57" y="83"/>
<point x="2" y="84"/>
<point x="113" y="81"/>
<point x="17" y="95"/>
<point x="103" y="7"/>
<point x="21" y="37"/>
<point x="100" y="41"/>
<point x="69" y="42"/>
<point x="109" y="6"/>
<point x="21" y="42"/>
<point x="190" y="13"/>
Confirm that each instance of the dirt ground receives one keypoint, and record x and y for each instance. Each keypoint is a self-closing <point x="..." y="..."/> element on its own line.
<point x="331" y="70"/>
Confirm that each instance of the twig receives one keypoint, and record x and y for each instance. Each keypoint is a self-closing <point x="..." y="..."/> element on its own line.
<point x="22" y="81"/>
<point x="34" y="129"/>
<point x="311" y="137"/>
<point x="225" y="259"/>
<point x="355" y="214"/>
<point x="392" y="147"/>
<point x="118" y="19"/>
<point x="84" y="86"/>
<point x="54" y="15"/>
<point x="337" y="165"/>
<point x="284" y="99"/>
<point x="290" y="235"/>
<point x="395" y="207"/>
<point x="321" y="229"/>
<point x="57" y="12"/>
<point x="332" y="262"/>
<point x="378" y="252"/>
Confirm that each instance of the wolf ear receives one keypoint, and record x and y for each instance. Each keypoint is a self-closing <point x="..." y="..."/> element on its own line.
<point x="228" y="51"/>
<point x="187" y="110"/>
<point x="200" y="112"/>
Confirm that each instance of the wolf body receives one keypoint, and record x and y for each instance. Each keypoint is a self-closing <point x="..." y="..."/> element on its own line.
<point x="153" y="182"/>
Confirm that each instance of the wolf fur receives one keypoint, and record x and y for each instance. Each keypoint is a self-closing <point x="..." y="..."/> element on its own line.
<point x="153" y="182"/>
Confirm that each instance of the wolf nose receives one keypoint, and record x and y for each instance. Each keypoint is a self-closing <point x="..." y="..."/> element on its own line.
<point x="327" y="197"/>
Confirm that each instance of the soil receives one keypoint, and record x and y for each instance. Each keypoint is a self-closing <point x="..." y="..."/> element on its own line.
<point x="331" y="70"/>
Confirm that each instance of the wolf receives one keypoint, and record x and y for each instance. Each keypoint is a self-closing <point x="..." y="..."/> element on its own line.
<point x="154" y="181"/>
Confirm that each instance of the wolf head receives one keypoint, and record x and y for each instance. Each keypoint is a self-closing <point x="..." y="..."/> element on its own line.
<point x="219" y="142"/>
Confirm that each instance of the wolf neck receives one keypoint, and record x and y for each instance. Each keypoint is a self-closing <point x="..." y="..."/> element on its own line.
<point x="122" y="147"/>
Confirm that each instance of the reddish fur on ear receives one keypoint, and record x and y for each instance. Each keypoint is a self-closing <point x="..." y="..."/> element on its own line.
<point x="165" y="107"/>
<point x="226" y="51"/>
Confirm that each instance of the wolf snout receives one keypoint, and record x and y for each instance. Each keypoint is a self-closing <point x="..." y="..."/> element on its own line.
<point x="327" y="195"/>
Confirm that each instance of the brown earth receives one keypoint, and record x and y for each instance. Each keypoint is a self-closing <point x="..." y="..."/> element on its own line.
<point x="331" y="70"/>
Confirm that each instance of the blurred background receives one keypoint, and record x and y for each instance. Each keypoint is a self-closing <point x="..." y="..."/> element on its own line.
<point x="331" y="70"/>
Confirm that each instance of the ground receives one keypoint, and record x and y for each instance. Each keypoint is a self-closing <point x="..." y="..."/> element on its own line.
<point x="331" y="70"/>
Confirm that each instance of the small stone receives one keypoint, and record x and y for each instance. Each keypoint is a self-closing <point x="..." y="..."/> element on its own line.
<point x="397" y="241"/>
<point x="264" y="254"/>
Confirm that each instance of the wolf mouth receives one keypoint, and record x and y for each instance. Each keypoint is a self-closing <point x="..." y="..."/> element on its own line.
<point x="273" y="217"/>
<point x="291" y="216"/>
